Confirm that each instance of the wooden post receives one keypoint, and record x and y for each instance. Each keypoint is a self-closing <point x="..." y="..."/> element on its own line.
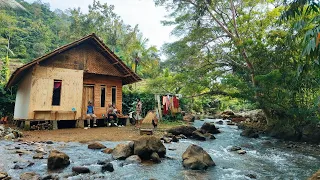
<point x="159" y="107"/>
<point x="80" y="123"/>
<point x="54" y="125"/>
<point x="26" y="125"/>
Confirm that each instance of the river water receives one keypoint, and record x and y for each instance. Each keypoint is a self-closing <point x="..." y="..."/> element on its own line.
<point x="266" y="158"/>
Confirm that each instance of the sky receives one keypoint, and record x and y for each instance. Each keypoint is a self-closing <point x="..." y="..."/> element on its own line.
<point x="141" y="12"/>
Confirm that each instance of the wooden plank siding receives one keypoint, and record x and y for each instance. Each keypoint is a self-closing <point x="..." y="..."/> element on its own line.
<point x="83" y="57"/>
<point x="42" y="90"/>
<point x="108" y="82"/>
<point x="85" y="61"/>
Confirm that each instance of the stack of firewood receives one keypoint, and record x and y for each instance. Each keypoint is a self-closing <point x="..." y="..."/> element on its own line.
<point x="42" y="126"/>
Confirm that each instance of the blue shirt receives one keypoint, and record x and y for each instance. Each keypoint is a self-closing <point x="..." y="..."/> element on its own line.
<point x="90" y="109"/>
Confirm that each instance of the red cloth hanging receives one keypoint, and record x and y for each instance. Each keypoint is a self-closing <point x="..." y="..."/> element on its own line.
<point x="57" y="85"/>
<point x="175" y="102"/>
<point x="165" y="110"/>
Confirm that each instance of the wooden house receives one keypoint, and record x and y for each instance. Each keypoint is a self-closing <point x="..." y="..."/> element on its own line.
<point x="59" y="85"/>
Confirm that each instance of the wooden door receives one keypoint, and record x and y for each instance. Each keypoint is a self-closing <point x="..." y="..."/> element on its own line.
<point x="87" y="96"/>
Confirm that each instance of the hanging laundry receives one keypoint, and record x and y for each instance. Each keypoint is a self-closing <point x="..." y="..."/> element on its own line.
<point x="171" y="103"/>
<point x="167" y="103"/>
<point x="165" y="110"/>
<point x="175" y="102"/>
<point x="164" y="100"/>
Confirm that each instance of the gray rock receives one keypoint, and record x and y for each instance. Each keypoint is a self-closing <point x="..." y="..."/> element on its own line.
<point x="219" y="122"/>
<point x="38" y="156"/>
<point x="210" y="128"/>
<point x="49" y="142"/>
<point x="185" y="130"/>
<point x="198" y="135"/>
<point x="196" y="158"/>
<point x="40" y="150"/>
<point x="121" y="151"/>
<point x="182" y="136"/>
<point x="107" y="167"/>
<point x="166" y="140"/>
<point x="131" y="144"/>
<point x="107" y="150"/>
<point x="16" y="166"/>
<point x="175" y="139"/>
<point x="241" y="152"/>
<point x="9" y="136"/>
<point x="235" y="148"/>
<point x="155" y="157"/>
<point x="80" y="169"/>
<point x="29" y="176"/>
<point x="134" y="159"/>
<point x="146" y="145"/>
<point x="57" y="160"/>
<point x="250" y="133"/>
<point x="3" y="174"/>
<point x="189" y="118"/>
<point x="50" y="177"/>
<point x="251" y="176"/>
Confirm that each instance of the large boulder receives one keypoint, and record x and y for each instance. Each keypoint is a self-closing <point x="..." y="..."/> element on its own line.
<point x="254" y="116"/>
<point x="189" y="118"/>
<point x="57" y="160"/>
<point x="210" y="128"/>
<point x="146" y="145"/>
<point x="185" y="130"/>
<point x="96" y="145"/>
<point x="311" y="133"/>
<point x="121" y="151"/>
<point x="227" y="114"/>
<point x="196" y="158"/>
<point x="250" y="133"/>
<point x="198" y="135"/>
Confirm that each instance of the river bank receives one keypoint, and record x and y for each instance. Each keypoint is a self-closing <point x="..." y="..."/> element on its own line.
<point x="265" y="158"/>
<point x="126" y="133"/>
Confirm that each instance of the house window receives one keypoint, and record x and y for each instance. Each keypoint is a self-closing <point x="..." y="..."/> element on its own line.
<point x="103" y="96"/>
<point x="56" y="96"/>
<point x="114" y="94"/>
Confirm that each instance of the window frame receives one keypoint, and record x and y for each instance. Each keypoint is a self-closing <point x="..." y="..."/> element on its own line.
<point x="105" y="95"/>
<point x="114" y="101"/>
<point x="59" y="104"/>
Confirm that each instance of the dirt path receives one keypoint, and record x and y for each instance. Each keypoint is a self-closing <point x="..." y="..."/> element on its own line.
<point x="86" y="135"/>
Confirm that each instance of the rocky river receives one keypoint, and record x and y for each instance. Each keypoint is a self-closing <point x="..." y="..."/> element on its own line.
<point x="265" y="158"/>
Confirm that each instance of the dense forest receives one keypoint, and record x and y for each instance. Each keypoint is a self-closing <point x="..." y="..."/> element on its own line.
<point x="236" y="55"/>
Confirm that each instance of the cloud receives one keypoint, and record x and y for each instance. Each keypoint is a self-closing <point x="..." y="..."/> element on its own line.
<point x="141" y="12"/>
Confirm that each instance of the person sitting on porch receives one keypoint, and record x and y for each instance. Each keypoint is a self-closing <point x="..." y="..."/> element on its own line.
<point x="111" y="113"/>
<point x="90" y="114"/>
